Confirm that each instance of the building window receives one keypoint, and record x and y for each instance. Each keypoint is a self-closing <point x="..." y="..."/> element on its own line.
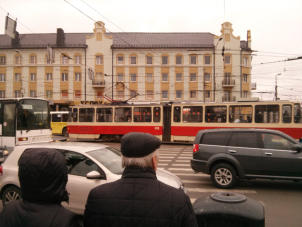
<point x="120" y="59"/>
<point x="2" y="60"/>
<point x="49" y="94"/>
<point x="245" y="78"/>
<point x="18" y="60"/>
<point x="33" y="93"/>
<point x="33" y="59"/>
<point x="33" y="77"/>
<point x="193" y="59"/>
<point x="64" y="76"/>
<point x="65" y="59"/>
<point x="245" y="61"/>
<point x="164" y="77"/>
<point x="164" y="60"/>
<point x="77" y="76"/>
<point x="227" y="59"/>
<point x="17" y="93"/>
<point x="77" y="94"/>
<point x="48" y="76"/>
<point x="120" y="77"/>
<point x="245" y="94"/>
<point x="207" y="77"/>
<point x="207" y="59"/>
<point x="178" y="77"/>
<point x="149" y="60"/>
<point x="149" y="94"/>
<point x="2" y="77"/>
<point x="78" y="60"/>
<point x="2" y="94"/>
<point x="149" y="77"/>
<point x="133" y="77"/>
<point x="192" y="76"/>
<point x="164" y="94"/>
<point x="193" y="94"/>
<point x="178" y="94"/>
<point x="99" y="59"/>
<point x="17" y="77"/>
<point x="207" y="94"/>
<point x="133" y="60"/>
<point x="64" y="94"/>
<point x="178" y="60"/>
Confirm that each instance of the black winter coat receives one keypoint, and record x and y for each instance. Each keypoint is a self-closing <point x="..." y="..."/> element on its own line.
<point x="26" y="214"/>
<point x="138" y="199"/>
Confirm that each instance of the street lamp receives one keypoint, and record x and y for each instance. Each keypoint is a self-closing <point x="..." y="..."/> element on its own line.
<point x="276" y="86"/>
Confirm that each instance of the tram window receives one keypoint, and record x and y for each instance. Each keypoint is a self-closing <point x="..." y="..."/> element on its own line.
<point x="297" y="113"/>
<point x="267" y="113"/>
<point x="123" y="114"/>
<point x="241" y="114"/>
<point x="142" y="114"/>
<point x="287" y="113"/>
<point x="216" y="114"/>
<point x="56" y="117"/>
<point x="86" y="114"/>
<point x="74" y="115"/>
<point x="156" y="114"/>
<point x="192" y="114"/>
<point x="176" y="115"/>
<point x="104" y="114"/>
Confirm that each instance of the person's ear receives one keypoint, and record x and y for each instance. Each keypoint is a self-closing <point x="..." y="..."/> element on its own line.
<point x="154" y="162"/>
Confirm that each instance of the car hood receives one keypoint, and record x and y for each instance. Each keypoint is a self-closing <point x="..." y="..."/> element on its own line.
<point x="168" y="178"/>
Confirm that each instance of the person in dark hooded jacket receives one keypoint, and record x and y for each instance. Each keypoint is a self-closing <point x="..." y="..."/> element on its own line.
<point x="138" y="198"/>
<point x="43" y="178"/>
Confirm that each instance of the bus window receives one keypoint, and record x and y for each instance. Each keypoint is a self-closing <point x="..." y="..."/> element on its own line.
<point x="123" y="114"/>
<point x="156" y="114"/>
<point x="176" y="115"/>
<point x="86" y="114"/>
<point x="267" y="113"/>
<point x="56" y="117"/>
<point x="297" y="113"/>
<point x="104" y="114"/>
<point x="287" y="113"/>
<point x="192" y="114"/>
<point x="142" y="114"/>
<point x="241" y="114"/>
<point x="74" y="114"/>
<point x="216" y="114"/>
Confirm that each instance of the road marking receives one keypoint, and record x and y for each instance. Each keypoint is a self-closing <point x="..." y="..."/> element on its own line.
<point x="163" y="164"/>
<point x="182" y="160"/>
<point x="192" y="174"/>
<point x="192" y="181"/>
<point x="180" y="169"/>
<point x="181" y="165"/>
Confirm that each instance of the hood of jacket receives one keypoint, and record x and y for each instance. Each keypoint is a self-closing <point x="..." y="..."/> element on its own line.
<point x="43" y="175"/>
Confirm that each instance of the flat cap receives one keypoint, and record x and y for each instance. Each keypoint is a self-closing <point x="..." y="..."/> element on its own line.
<point x="137" y="144"/>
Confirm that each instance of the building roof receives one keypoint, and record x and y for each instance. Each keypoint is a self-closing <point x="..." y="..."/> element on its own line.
<point x="124" y="40"/>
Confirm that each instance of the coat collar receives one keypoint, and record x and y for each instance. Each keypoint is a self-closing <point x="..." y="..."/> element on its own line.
<point x="139" y="172"/>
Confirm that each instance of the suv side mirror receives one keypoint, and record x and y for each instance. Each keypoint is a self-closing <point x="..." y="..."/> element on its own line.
<point x="95" y="175"/>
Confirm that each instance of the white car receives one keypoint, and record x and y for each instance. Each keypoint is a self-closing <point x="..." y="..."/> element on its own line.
<point x="89" y="165"/>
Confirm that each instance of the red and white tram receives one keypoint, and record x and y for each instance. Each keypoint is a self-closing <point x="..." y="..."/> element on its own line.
<point x="181" y="121"/>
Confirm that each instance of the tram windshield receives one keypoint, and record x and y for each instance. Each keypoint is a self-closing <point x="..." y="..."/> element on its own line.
<point x="33" y="114"/>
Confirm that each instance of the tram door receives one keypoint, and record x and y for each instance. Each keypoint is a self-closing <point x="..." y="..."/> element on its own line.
<point x="167" y="124"/>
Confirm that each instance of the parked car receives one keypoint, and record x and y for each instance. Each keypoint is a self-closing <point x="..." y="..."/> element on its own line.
<point x="89" y="165"/>
<point x="229" y="155"/>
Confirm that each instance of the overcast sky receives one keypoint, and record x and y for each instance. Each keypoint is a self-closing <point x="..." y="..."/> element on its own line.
<point x="276" y="27"/>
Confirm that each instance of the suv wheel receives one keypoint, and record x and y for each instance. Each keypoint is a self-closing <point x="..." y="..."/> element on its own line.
<point x="223" y="175"/>
<point x="9" y="194"/>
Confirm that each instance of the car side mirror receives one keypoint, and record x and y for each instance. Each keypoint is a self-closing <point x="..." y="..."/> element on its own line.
<point x="95" y="175"/>
<point x="297" y="147"/>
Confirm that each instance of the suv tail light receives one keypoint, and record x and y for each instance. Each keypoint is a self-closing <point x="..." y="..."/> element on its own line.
<point x="195" y="147"/>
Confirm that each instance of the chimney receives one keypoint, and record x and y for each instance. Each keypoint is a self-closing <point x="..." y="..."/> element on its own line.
<point x="249" y="39"/>
<point x="60" y="37"/>
<point x="16" y="40"/>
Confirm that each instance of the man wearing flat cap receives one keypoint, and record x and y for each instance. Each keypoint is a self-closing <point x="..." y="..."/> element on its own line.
<point x="138" y="198"/>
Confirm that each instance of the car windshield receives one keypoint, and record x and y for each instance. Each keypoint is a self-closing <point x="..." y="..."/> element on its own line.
<point x="110" y="158"/>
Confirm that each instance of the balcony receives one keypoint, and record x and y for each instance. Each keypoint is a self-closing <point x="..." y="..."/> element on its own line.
<point x="98" y="83"/>
<point x="227" y="98"/>
<point x="228" y="83"/>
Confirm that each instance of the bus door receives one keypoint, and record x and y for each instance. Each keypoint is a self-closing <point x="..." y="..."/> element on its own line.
<point x="8" y="124"/>
<point x="167" y="124"/>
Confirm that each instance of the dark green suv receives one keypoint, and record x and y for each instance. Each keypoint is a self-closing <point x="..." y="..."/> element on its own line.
<point x="229" y="155"/>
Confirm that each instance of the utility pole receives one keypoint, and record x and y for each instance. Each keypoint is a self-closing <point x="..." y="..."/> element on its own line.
<point x="276" y="86"/>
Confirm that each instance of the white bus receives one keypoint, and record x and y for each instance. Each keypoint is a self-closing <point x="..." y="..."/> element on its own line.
<point x="23" y="121"/>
